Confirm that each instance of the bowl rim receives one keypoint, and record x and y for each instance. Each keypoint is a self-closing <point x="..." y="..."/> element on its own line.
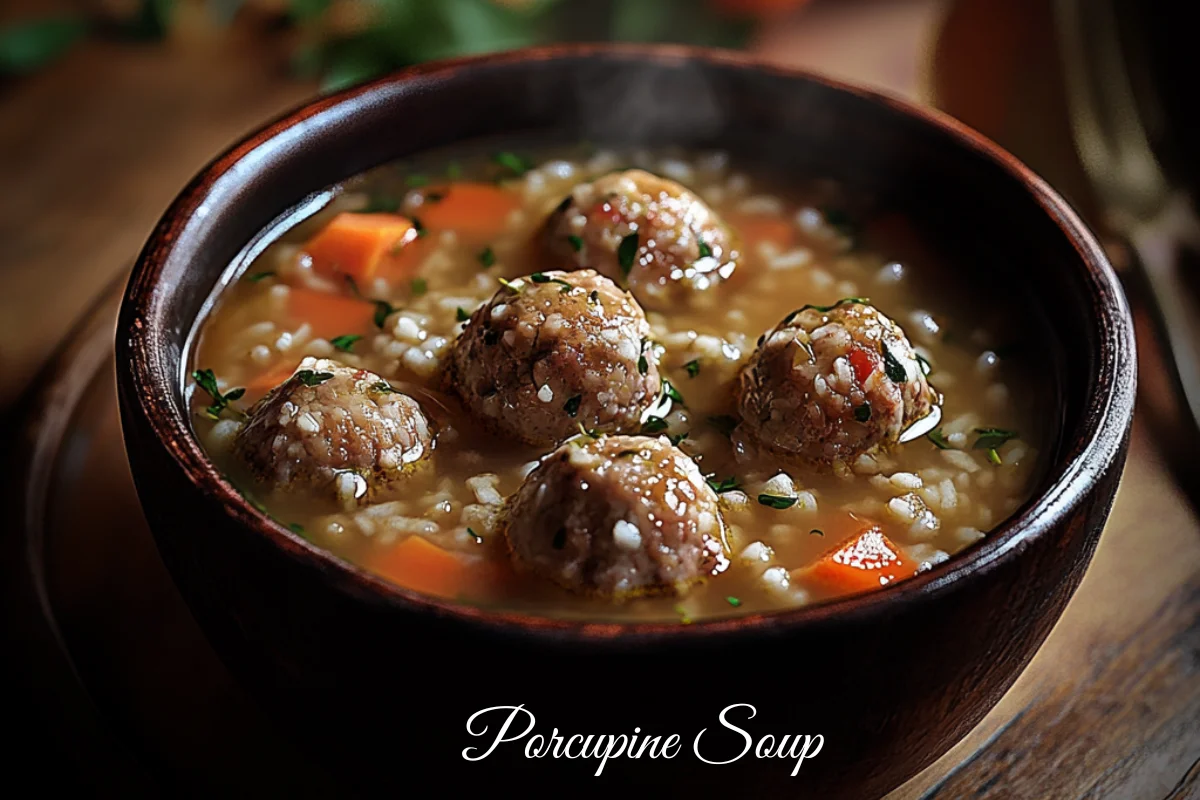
<point x="1101" y="434"/>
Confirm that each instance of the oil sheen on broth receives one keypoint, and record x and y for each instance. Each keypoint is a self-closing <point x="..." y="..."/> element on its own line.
<point x="618" y="385"/>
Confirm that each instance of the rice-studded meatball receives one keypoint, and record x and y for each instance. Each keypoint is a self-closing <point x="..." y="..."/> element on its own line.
<point x="831" y="383"/>
<point x="645" y="232"/>
<point x="618" y="516"/>
<point x="555" y="351"/>
<point x="336" y="428"/>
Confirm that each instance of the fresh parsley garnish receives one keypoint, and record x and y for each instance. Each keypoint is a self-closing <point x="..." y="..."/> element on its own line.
<point x="938" y="438"/>
<point x="723" y="423"/>
<point x="461" y="315"/>
<point x="705" y="250"/>
<point x="541" y="277"/>
<point x="776" y="501"/>
<point x="512" y="162"/>
<point x="310" y="378"/>
<point x="862" y="301"/>
<point x="383" y="310"/>
<point x="721" y="487"/>
<point x="654" y="424"/>
<point x="487" y="257"/>
<point x="576" y="243"/>
<point x="474" y="535"/>
<point x="992" y="438"/>
<point x="255" y="277"/>
<point x="345" y="342"/>
<point x="382" y="387"/>
<point x="643" y="364"/>
<point x="207" y="380"/>
<point x="993" y="456"/>
<point x="892" y="366"/>
<point x="419" y="287"/>
<point x="862" y="413"/>
<point x="692" y="367"/>
<point x="670" y="391"/>
<point x="733" y="601"/>
<point x="572" y="405"/>
<point x="627" y="252"/>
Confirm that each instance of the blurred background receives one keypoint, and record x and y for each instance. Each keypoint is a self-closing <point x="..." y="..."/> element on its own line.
<point x="108" y="107"/>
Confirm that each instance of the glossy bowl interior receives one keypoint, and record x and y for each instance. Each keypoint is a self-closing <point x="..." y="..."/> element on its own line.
<point x="291" y="617"/>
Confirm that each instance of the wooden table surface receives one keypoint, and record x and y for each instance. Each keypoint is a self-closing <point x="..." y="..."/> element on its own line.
<point x="93" y="149"/>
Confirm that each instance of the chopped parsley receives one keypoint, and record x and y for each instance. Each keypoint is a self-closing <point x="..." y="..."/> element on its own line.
<point x="862" y="413"/>
<point x="487" y="257"/>
<point x="461" y="315"/>
<point x="723" y="423"/>
<point x="705" y="250"/>
<point x="310" y="378"/>
<point x="382" y="387"/>
<point x="255" y="277"/>
<point x="589" y="433"/>
<point x="474" y="535"/>
<point x="692" y="367"/>
<point x="512" y="162"/>
<point x="992" y="438"/>
<point x="560" y="539"/>
<point x="892" y="366"/>
<point x="926" y="367"/>
<point x="576" y="243"/>
<point x="993" y="456"/>
<point x="733" y="601"/>
<point x="345" y="342"/>
<point x="654" y="424"/>
<point x="776" y="501"/>
<point x="643" y="364"/>
<point x="862" y="301"/>
<point x="541" y="277"/>
<point x="670" y="391"/>
<point x="840" y="220"/>
<point x="419" y="287"/>
<point x="627" y="252"/>
<point x="383" y="310"/>
<point x="938" y="438"/>
<point x="207" y="380"/>
<point x="572" y="405"/>
<point x="721" y="487"/>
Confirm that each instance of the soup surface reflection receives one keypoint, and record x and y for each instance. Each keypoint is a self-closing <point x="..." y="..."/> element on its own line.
<point x="617" y="385"/>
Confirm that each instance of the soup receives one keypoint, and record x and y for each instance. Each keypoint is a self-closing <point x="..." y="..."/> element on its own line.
<point x="616" y="385"/>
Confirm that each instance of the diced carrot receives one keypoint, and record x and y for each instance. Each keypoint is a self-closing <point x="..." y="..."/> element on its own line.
<point x="864" y="362"/>
<point x="329" y="314"/>
<point x="757" y="228"/>
<point x="868" y="560"/>
<point x="269" y="379"/>
<point x="476" y="211"/>
<point x="418" y="564"/>
<point x="358" y="244"/>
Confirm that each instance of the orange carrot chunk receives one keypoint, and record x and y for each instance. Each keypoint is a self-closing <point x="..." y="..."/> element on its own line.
<point x="329" y="314"/>
<point x="418" y="564"/>
<point x="866" y="561"/>
<point x="269" y="379"/>
<point x="358" y="244"/>
<point x="477" y="211"/>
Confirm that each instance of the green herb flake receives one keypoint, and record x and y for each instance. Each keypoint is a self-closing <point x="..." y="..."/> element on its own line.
<point x="487" y="257"/>
<point x="474" y="535"/>
<point x="512" y="162"/>
<point x="310" y="378"/>
<point x="692" y="367"/>
<point x="993" y="456"/>
<point x="627" y="252"/>
<point x="383" y="310"/>
<point x="255" y="277"/>
<point x="572" y="405"/>
<point x="729" y="484"/>
<point x="862" y="301"/>
<point x="670" y="391"/>
<point x="654" y="424"/>
<point x="206" y="379"/>
<point x="733" y="601"/>
<point x="892" y="366"/>
<point x="419" y="287"/>
<point x="576" y="243"/>
<point x="862" y="413"/>
<point x="776" y="501"/>
<point x="705" y="250"/>
<point x="541" y="277"/>
<point x="992" y="438"/>
<point x="381" y="387"/>
<point x="684" y="617"/>
<point x="461" y="314"/>
<point x="926" y="367"/>
<point x="938" y="438"/>
<point x="723" y="423"/>
<point x="676" y="438"/>
<point x="345" y="342"/>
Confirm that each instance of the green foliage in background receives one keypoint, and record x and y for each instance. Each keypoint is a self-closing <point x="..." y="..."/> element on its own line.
<point x="396" y="33"/>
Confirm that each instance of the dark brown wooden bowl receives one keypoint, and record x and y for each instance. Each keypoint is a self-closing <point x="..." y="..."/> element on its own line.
<point x="380" y="681"/>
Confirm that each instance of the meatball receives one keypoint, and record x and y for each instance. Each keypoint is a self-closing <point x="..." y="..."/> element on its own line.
<point x="679" y="247"/>
<point x="333" y="426"/>
<point x="831" y="383"/>
<point x="555" y="351"/>
<point x="618" y="516"/>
